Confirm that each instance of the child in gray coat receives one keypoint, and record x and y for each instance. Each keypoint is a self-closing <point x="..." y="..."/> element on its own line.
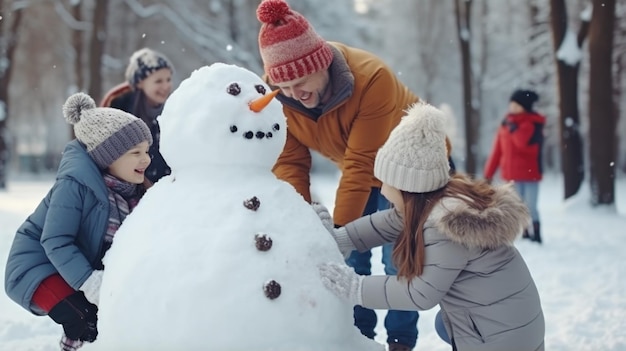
<point x="453" y="245"/>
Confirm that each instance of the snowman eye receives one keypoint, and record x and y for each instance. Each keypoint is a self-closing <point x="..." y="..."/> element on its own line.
<point x="233" y="89"/>
<point x="260" y="89"/>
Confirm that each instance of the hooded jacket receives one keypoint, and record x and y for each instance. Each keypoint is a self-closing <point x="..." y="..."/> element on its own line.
<point x="487" y="296"/>
<point x="517" y="148"/>
<point x="367" y="102"/>
<point x="65" y="233"/>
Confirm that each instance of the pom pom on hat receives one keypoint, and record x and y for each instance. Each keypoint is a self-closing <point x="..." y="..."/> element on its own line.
<point x="75" y="105"/>
<point x="272" y="11"/>
<point x="525" y="98"/>
<point x="415" y="156"/>
<point x="143" y="63"/>
<point x="107" y="133"/>
<point x="289" y="46"/>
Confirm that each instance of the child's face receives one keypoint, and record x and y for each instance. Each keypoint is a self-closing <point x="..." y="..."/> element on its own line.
<point x="130" y="167"/>
<point x="393" y="195"/>
<point x="157" y="86"/>
<point x="515" y="108"/>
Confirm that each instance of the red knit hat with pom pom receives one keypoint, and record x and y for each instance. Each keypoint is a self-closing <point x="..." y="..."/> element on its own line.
<point x="289" y="46"/>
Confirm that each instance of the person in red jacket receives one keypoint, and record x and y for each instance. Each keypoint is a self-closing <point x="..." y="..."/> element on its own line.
<point x="517" y="152"/>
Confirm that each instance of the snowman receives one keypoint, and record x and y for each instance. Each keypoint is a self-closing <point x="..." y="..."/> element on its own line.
<point x="221" y="255"/>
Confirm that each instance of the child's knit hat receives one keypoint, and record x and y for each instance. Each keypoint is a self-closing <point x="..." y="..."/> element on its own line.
<point x="525" y="98"/>
<point x="107" y="133"/>
<point x="415" y="157"/>
<point x="289" y="46"/>
<point x="143" y="63"/>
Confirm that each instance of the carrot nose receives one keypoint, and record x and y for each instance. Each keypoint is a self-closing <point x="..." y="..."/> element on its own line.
<point x="259" y="104"/>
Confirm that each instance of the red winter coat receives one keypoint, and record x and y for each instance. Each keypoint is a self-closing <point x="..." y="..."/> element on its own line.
<point x="517" y="148"/>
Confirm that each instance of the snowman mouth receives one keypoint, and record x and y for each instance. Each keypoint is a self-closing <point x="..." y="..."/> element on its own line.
<point x="258" y="134"/>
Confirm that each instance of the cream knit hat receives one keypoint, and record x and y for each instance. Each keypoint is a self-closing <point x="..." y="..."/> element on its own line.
<point x="415" y="157"/>
<point x="107" y="133"/>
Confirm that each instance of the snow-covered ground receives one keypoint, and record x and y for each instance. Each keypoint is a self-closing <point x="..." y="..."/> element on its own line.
<point x="579" y="270"/>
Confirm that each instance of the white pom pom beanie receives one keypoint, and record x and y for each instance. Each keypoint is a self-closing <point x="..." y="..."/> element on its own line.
<point x="415" y="157"/>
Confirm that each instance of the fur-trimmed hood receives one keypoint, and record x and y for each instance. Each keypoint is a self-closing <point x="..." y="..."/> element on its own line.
<point x="496" y="226"/>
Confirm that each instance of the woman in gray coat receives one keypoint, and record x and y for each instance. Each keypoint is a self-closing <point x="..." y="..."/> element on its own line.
<point x="453" y="245"/>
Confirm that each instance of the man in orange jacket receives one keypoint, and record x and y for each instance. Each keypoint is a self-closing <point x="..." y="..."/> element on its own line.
<point x="341" y="102"/>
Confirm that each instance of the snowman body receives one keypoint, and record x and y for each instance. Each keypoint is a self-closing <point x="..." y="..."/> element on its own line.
<point x="221" y="255"/>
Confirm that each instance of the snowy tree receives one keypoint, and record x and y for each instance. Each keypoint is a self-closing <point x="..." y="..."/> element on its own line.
<point x="10" y="19"/>
<point x="567" y="46"/>
<point x="470" y="112"/>
<point x="602" y="124"/>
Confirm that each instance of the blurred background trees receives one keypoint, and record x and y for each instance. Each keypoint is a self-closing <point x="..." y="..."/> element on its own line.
<point x="465" y="56"/>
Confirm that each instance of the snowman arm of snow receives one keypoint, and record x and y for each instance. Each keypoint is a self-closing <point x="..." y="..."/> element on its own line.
<point x="91" y="287"/>
<point x="375" y="230"/>
<point x="340" y="235"/>
<point x="294" y="166"/>
<point x="342" y="281"/>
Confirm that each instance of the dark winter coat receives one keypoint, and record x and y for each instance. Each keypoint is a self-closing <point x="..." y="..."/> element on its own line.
<point x="487" y="296"/>
<point x="517" y="148"/>
<point x="368" y="102"/>
<point x="64" y="234"/>
<point x="134" y="102"/>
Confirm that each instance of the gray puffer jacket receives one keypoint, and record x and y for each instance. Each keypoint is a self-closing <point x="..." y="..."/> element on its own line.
<point x="487" y="296"/>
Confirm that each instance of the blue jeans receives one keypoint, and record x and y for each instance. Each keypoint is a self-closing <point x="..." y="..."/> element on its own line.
<point x="441" y="329"/>
<point x="529" y="192"/>
<point x="401" y="326"/>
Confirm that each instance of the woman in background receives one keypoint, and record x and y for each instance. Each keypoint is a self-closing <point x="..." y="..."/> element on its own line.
<point x="148" y="84"/>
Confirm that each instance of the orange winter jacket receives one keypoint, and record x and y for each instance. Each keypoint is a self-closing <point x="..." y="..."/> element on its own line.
<point x="367" y="103"/>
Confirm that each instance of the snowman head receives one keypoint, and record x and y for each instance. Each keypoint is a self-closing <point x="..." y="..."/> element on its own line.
<point x="222" y="115"/>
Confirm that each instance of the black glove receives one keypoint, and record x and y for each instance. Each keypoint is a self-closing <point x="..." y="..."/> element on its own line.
<point x="77" y="316"/>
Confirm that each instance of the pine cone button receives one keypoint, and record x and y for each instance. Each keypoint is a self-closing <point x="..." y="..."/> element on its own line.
<point x="271" y="289"/>
<point x="263" y="242"/>
<point x="252" y="204"/>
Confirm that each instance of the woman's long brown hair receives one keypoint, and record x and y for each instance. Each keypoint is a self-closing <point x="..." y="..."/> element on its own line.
<point x="408" y="252"/>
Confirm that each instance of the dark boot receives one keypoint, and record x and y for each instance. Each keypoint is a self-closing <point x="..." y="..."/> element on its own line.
<point x="399" y="347"/>
<point x="525" y="235"/>
<point x="536" y="232"/>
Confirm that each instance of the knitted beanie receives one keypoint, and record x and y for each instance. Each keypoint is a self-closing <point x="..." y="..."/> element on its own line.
<point x="525" y="98"/>
<point x="143" y="63"/>
<point x="289" y="46"/>
<point x="107" y="133"/>
<point x="415" y="158"/>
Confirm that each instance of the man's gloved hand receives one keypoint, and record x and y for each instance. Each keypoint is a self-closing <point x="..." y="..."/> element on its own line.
<point x="339" y="234"/>
<point x="91" y="287"/>
<point x="342" y="281"/>
<point x="77" y="316"/>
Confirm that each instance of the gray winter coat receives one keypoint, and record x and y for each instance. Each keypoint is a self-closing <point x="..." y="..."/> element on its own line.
<point x="66" y="232"/>
<point x="487" y="296"/>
